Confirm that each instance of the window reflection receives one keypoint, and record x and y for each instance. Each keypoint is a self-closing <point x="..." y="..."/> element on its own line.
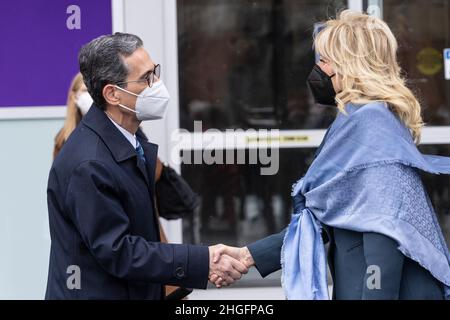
<point x="238" y="204"/>
<point x="244" y="64"/>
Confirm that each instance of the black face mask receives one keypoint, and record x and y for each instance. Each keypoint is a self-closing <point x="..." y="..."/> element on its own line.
<point x="321" y="86"/>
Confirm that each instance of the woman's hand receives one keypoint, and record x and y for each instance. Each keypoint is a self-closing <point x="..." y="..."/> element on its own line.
<point x="243" y="255"/>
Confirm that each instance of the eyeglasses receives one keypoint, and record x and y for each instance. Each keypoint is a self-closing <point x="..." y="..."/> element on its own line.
<point x="150" y="78"/>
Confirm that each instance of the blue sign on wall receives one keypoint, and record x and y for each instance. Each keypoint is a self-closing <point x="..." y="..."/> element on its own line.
<point x="447" y="63"/>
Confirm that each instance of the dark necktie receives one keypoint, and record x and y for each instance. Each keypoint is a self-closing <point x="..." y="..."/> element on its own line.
<point x="140" y="152"/>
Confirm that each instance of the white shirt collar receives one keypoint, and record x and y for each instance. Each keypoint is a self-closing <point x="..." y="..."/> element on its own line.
<point x="130" y="137"/>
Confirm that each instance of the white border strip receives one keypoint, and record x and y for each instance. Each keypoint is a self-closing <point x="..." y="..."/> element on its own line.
<point x="284" y="139"/>
<point x="170" y="36"/>
<point x="174" y="229"/>
<point x="355" y="5"/>
<point x="248" y="140"/>
<point x="118" y="20"/>
<point x="436" y="135"/>
<point x="14" y="113"/>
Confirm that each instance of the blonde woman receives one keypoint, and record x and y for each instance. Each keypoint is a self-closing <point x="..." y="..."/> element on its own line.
<point x="78" y="103"/>
<point x="363" y="192"/>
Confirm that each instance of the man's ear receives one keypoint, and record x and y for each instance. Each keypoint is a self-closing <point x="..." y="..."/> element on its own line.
<point x="111" y="95"/>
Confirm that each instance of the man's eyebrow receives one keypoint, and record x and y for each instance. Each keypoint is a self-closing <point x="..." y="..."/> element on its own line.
<point x="144" y="75"/>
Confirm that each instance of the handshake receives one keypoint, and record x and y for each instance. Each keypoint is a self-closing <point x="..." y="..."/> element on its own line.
<point x="228" y="264"/>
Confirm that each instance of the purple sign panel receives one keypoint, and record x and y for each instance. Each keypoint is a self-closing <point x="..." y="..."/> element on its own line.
<point x="39" y="44"/>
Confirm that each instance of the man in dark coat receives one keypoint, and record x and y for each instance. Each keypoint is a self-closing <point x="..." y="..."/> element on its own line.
<point x="103" y="226"/>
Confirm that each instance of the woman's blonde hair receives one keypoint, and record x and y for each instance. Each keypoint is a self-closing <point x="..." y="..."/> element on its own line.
<point x="73" y="116"/>
<point x="363" y="52"/>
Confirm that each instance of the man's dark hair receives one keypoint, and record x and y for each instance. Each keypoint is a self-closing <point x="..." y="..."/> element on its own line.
<point x="101" y="62"/>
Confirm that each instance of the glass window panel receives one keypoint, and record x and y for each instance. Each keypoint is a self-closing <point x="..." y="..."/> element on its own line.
<point x="239" y="206"/>
<point x="244" y="64"/>
<point x="423" y="33"/>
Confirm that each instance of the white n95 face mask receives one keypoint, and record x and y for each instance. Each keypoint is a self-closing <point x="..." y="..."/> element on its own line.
<point x="84" y="102"/>
<point x="151" y="104"/>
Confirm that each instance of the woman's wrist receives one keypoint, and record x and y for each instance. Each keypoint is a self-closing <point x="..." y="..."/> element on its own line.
<point x="247" y="257"/>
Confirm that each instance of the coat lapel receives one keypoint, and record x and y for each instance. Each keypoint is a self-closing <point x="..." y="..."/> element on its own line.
<point x="120" y="147"/>
<point x="142" y="168"/>
<point x="150" y="152"/>
<point x="114" y="140"/>
<point x="122" y="150"/>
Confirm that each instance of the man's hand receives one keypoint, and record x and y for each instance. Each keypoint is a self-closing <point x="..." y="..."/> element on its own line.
<point x="224" y="267"/>
<point x="243" y="255"/>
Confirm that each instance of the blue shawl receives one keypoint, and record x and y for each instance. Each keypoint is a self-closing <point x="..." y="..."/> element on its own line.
<point x="364" y="179"/>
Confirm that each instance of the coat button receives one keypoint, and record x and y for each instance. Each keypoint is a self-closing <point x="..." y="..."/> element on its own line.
<point x="179" y="272"/>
